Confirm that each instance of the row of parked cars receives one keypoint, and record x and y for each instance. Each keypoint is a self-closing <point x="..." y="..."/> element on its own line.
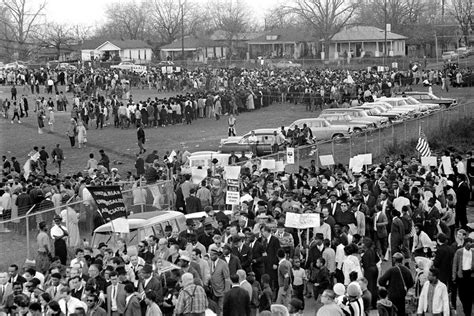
<point x="339" y="123"/>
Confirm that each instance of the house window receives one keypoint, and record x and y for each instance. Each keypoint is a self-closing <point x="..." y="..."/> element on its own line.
<point x="271" y="37"/>
<point x="130" y="54"/>
<point x="139" y="54"/>
<point x="144" y="52"/>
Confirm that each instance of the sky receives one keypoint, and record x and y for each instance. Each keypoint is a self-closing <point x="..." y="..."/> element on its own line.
<point x="91" y="12"/>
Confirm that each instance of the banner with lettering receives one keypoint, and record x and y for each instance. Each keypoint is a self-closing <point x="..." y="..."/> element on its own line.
<point x="109" y="201"/>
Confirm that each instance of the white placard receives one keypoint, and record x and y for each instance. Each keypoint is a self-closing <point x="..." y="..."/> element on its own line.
<point x="327" y="160"/>
<point x="448" y="169"/>
<point x="169" y="69"/>
<point x="232" y="196"/>
<point x="267" y="163"/>
<point x="366" y="158"/>
<point x="231" y="172"/>
<point x="429" y="161"/>
<point x="198" y="175"/>
<point x="307" y="220"/>
<point x="279" y="166"/>
<point x="357" y="164"/>
<point x="120" y="225"/>
<point x="171" y="156"/>
<point x="163" y="69"/>
<point x="290" y="155"/>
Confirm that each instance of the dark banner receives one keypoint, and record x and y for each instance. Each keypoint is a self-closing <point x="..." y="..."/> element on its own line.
<point x="109" y="201"/>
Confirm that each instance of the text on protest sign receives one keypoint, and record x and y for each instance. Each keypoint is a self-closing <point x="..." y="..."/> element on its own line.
<point x="109" y="201"/>
<point x="296" y="220"/>
<point x="233" y="192"/>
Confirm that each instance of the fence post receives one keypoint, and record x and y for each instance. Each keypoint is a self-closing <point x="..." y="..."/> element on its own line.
<point x="380" y="141"/>
<point x="365" y="143"/>
<point x="27" y="218"/>
<point x="393" y="134"/>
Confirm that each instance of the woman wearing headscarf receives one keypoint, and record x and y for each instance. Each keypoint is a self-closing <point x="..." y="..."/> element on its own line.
<point x="81" y="134"/>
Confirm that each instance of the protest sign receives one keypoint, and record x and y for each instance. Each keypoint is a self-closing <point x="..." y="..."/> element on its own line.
<point x="120" y="225"/>
<point x="366" y="159"/>
<point x="197" y="175"/>
<point x="267" y="163"/>
<point x="231" y="172"/>
<point x="109" y="201"/>
<point x="357" y="164"/>
<point x="429" y="161"/>
<point x="327" y="160"/>
<point x="290" y="155"/>
<point x="447" y="167"/>
<point x="279" y="166"/>
<point x="233" y="192"/>
<point x="307" y="220"/>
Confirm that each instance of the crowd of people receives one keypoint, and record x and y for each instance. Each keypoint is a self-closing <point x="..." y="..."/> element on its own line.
<point x="397" y="230"/>
<point x="396" y="212"/>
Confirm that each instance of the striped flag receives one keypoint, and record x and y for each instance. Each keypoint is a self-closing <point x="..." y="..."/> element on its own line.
<point x="423" y="147"/>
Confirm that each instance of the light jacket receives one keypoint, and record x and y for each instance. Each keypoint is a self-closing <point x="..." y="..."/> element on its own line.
<point x="440" y="299"/>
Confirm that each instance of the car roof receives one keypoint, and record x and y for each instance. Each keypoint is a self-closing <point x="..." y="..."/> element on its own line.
<point x="339" y="110"/>
<point x="139" y="220"/>
<point x="263" y="131"/>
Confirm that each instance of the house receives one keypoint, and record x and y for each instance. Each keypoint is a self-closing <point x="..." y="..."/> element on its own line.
<point x="136" y="51"/>
<point x="195" y="49"/>
<point x="283" y="43"/>
<point x="239" y="42"/>
<point x="366" y="41"/>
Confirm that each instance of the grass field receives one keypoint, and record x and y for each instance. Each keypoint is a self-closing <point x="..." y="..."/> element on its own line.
<point x="204" y="134"/>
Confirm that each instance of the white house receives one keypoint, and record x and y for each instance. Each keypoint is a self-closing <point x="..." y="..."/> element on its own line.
<point x="366" y="40"/>
<point x="129" y="50"/>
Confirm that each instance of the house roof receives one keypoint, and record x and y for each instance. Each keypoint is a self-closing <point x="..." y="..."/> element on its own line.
<point x="190" y="43"/>
<point x="365" y="33"/>
<point x="221" y="36"/>
<point x="290" y="35"/>
<point x="96" y="43"/>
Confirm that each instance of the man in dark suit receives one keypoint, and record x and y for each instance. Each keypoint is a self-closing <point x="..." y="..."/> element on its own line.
<point x="397" y="232"/>
<point x="232" y="261"/>
<point x="462" y="197"/>
<point x="380" y="223"/>
<point x="270" y="244"/>
<point x="315" y="251"/>
<point x="147" y="283"/>
<point x="237" y="300"/>
<point x="115" y="296"/>
<point x="444" y="259"/>
<point x="14" y="276"/>
<point x="333" y="206"/>
<point x="193" y="204"/>
<point x="132" y="305"/>
<point x="256" y="255"/>
<point x="368" y="199"/>
<point x="242" y="251"/>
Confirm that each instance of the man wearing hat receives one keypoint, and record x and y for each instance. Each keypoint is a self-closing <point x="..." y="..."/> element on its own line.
<point x="232" y="261"/>
<point x="398" y="280"/>
<point x="189" y="266"/>
<point x="220" y="278"/>
<point x="190" y="229"/>
<point x="242" y="252"/>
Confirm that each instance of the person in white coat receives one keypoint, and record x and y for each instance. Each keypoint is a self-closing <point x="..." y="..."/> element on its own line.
<point x="434" y="299"/>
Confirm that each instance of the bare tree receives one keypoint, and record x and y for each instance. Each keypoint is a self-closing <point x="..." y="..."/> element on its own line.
<point x="232" y="17"/>
<point x="81" y="32"/>
<point x="463" y="12"/>
<point x="23" y="22"/>
<point x="127" y="20"/>
<point x="327" y="17"/>
<point x="166" y="16"/>
<point x="281" y="17"/>
<point x="58" y="36"/>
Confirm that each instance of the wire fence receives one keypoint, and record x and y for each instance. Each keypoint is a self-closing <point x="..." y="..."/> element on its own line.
<point x="379" y="142"/>
<point x="80" y="216"/>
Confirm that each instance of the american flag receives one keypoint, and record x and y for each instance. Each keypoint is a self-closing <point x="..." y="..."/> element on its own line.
<point x="423" y="147"/>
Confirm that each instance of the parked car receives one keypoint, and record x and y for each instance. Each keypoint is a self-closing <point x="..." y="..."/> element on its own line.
<point x="358" y="114"/>
<point x="15" y="66"/>
<point x="426" y="97"/>
<point x="449" y="55"/>
<point x="399" y="102"/>
<point x="375" y="110"/>
<point x="286" y="64"/>
<point x="129" y="66"/>
<point x="387" y="107"/>
<point x="464" y="52"/>
<point x="431" y="106"/>
<point x="322" y="129"/>
<point x="347" y="121"/>
<point x="238" y="144"/>
<point x="66" y="66"/>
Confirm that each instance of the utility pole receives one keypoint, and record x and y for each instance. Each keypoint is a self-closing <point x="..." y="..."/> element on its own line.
<point x="182" y="28"/>
<point x="436" y="48"/>
<point x="385" y="32"/>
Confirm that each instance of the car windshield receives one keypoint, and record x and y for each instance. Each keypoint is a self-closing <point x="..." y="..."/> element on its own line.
<point x="410" y="100"/>
<point x="433" y="96"/>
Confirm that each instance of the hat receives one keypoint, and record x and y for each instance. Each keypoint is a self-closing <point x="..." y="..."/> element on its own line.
<point x="449" y="183"/>
<point x="324" y="181"/>
<point x="398" y="255"/>
<point x="185" y="257"/>
<point x="281" y="225"/>
<point x="319" y="236"/>
<point x="339" y="289"/>
<point x="57" y="217"/>
<point x="353" y="289"/>
<point x="147" y="268"/>
<point x="215" y="251"/>
<point x="102" y="244"/>
<point x="189" y="222"/>
<point x="296" y="303"/>
<point x="226" y="246"/>
<point x="48" y="194"/>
